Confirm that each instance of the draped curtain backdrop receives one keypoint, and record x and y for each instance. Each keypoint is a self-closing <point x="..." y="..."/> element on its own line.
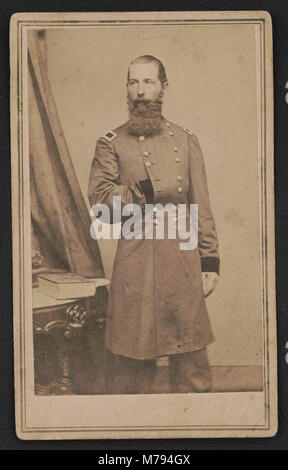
<point x="60" y="218"/>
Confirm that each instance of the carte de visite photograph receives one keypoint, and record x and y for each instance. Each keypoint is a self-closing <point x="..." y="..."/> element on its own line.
<point x="143" y="225"/>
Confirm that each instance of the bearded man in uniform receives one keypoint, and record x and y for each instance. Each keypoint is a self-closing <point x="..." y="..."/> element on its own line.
<point x="156" y="302"/>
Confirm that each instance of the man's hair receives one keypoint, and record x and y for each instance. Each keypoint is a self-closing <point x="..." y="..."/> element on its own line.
<point x="145" y="59"/>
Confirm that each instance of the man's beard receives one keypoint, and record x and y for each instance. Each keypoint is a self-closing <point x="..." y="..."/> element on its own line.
<point x="145" y="117"/>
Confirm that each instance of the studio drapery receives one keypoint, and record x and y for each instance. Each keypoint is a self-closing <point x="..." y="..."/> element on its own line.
<point x="60" y="218"/>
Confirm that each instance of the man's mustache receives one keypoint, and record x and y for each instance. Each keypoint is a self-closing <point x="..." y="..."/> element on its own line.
<point x="140" y="100"/>
<point x="144" y="100"/>
<point x="142" y="106"/>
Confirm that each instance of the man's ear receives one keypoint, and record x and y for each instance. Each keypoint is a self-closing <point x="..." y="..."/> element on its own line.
<point x="165" y="85"/>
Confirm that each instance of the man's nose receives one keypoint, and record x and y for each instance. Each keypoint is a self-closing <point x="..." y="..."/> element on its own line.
<point x="140" y="91"/>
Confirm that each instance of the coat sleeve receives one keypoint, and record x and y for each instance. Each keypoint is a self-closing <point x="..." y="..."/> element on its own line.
<point x="104" y="179"/>
<point x="198" y="194"/>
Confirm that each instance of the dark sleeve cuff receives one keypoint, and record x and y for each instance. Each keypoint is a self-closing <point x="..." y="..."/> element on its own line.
<point x="210" y="265"/>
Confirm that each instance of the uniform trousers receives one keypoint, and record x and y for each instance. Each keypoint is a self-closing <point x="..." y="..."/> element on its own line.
<point x="188" y="373"/>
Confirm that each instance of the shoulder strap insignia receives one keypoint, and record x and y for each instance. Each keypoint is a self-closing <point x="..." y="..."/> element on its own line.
<point x="110" y="136"/>
<point x="188" y="132"/>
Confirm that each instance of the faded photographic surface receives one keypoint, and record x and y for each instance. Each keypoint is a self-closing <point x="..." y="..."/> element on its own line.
<point x="163" y="110"/>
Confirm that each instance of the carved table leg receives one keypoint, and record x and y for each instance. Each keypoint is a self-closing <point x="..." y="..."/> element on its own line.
<point x="68" y="350"/>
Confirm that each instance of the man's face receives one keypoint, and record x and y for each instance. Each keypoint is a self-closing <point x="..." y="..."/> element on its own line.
<point x="144" y="83"/>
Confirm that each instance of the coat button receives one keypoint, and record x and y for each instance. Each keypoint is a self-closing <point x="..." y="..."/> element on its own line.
<point x="148" y="164"/>
<point x="141" y="138"/>
<point x="177" y="160"/>
<point x="179" y="189"/>
<point x="146" y="154"/>
<point x="175" y="149"/>
<point x="179" y="178"/>
<point x="168" y="125"/>
<point x="171" y="133"/>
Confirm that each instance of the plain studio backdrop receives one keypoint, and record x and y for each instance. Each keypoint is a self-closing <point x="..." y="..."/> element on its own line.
<point x="211" y="71"/>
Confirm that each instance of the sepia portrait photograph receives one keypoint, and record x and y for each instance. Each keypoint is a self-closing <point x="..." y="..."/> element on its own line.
<point x="143" y="225"/>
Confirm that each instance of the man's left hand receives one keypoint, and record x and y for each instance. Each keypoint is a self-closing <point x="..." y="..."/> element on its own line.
<point x="209" y="281"/>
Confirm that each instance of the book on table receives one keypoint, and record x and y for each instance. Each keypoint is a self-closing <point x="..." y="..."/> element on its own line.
<point x="66" y="285"/>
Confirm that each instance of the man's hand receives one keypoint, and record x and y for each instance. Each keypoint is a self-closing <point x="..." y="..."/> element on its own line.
<point x="209" y="281"/>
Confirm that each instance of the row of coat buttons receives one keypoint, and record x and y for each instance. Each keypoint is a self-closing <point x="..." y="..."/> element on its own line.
<point x="149" y="164"/>
<point x="146" y="154"/>
<point x="179" y="178"/>
<point x="169" y="125"/>
<point x="177" y="159"/>
<point x="141" y="138"/>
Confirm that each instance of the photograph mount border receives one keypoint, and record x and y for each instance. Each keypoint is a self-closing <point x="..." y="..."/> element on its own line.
<point x="19" y="206"/>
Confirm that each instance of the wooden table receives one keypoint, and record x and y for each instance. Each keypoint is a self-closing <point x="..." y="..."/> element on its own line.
<point x="61" y="338"/>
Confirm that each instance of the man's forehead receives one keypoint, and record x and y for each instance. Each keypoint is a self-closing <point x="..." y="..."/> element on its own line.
<point x="143" y="70"/>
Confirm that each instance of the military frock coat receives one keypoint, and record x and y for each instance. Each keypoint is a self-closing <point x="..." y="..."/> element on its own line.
<point x="156" y="304"/>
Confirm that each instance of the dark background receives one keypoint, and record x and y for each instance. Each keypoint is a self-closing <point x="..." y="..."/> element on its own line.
<point x="279" y="12"/>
